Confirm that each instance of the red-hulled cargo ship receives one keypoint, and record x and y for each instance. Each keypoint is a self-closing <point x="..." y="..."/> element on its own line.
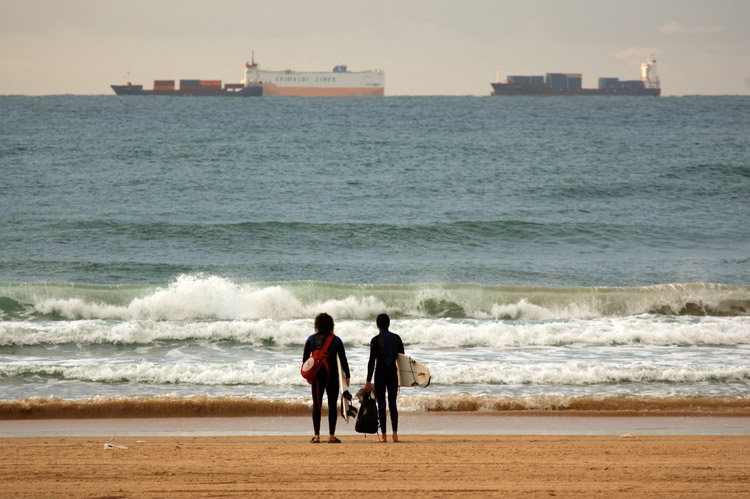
<point x="570" y="84"/>
<point x="191" y="87"/>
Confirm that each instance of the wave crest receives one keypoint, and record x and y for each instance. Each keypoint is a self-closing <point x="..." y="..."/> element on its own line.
<point x="200" y="297"/>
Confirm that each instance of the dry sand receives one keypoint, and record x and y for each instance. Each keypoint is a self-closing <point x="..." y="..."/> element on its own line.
<point x="423" y="466"/>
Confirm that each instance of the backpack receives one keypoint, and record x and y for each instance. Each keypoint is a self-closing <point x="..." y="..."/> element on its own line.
<point x="311" y="366"/>
<point x="367" y="419"/>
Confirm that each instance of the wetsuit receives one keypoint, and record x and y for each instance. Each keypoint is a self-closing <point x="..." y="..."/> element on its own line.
<point x="384" y="348"/>
<point x="325" y="381"/>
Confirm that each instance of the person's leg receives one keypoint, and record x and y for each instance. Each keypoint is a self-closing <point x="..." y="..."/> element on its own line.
<point x="316" y="409"/>
<point x="380" y="387"/>
<point x="333" y="394"/>
<point x="392" y="407"/>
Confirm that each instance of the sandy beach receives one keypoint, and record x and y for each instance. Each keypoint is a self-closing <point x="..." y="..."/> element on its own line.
<point x="427" y="465"/>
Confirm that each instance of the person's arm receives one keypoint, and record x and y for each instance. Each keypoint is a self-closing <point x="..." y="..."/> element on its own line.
<point x="344" y="362"/>
<point x="370" y="366"/>
<point x="307" y="352"/>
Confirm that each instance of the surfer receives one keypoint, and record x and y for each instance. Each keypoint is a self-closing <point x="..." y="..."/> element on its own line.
<point x="327" y="379"/>
<point x="384" y="348"/>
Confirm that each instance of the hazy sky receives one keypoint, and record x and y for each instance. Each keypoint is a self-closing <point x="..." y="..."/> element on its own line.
<point x="425" y="47"/>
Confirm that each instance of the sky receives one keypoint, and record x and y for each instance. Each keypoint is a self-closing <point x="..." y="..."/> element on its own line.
<point x="436" y="47"/>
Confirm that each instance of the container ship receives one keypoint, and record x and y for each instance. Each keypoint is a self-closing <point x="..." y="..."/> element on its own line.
<point x="259" y="82"/>
<point x="570" y="84"/>
<point x="190" y="87"/>
<point x="340" y="82"/>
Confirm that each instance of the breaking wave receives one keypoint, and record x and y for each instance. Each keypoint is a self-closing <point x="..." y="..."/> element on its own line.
<point x="250" y="373"/>
<point x="202" y="297"/>
<point x="424" y="333"/>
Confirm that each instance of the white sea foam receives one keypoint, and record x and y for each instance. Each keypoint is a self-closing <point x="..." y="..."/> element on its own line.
<point x="199" y="297"/>
<point x="192" y="297"/>
<point x="443" y="374"/>
<point x="416" y="333"/>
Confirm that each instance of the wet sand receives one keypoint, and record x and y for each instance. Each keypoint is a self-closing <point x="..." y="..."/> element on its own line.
<point x="421" y="465"/>
<point x="425" y="423"/>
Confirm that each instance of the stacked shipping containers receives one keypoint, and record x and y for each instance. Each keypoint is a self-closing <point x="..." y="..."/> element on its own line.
<point x="574" y="80"/>
<point x="190" y="84"/>
<point x="164" y="85"/>
<point x="632" y="84"/>
<point x="518" y="79"/>
<point x="534" y="80"/>
<point x="609" y="83"/>
<point x="556" y="80"/>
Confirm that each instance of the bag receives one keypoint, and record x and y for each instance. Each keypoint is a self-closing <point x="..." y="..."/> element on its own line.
<point x="311" y="366"/>
<point x="367" y="419"/>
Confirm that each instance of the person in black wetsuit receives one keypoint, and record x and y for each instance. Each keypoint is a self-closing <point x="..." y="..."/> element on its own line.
<point x="326" y="380"/>
<point x="384" y="348"/>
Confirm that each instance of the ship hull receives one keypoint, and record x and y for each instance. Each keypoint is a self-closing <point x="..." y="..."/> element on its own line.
<point x="506" y="89"/>
<point x="272" y="90"/>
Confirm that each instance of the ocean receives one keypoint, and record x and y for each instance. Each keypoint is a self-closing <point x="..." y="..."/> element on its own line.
<point x="535" y="253"/>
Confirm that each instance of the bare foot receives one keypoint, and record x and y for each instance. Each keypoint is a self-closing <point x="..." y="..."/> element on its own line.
<point x="384" y="439"/>
<point x="395" y="437"/>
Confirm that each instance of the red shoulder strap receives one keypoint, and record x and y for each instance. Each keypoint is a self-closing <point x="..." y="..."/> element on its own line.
<point x="327" y="343"/>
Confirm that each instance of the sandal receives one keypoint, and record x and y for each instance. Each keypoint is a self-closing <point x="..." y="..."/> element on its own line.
<point x="334" y="441"/>
<point x="315" y="440"/>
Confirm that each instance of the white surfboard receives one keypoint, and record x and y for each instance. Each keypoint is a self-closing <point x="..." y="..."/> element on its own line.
<point x="345" y="406"/>
<point x="412" y="372"/>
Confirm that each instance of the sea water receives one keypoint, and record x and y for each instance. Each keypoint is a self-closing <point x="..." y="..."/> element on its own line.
<point x="535" y="253"/>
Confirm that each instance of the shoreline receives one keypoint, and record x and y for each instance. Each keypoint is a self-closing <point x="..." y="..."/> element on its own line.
<point x="410" y="423"/>
<point x="36" y="408"/>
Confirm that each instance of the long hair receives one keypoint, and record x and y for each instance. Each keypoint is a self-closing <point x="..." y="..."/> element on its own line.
<point x="323" y="324"/>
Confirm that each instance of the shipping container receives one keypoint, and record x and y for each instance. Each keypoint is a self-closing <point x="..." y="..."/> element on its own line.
<point x="574" y="81"/>
<point x="632" y="84"/>
<point x="609" y="83"/>
<point x="210" y="83"/>
<point x="518" y="79"/>
<point x="189" y="82"/>
<point x="164" y="83"/>
<point x="234" y="85"/>
<point x="536" y="79"/>
<point x="556" y="80"/>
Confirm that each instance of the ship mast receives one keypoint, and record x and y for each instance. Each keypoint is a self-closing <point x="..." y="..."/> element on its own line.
<point x="251" y="73"/>
<point x="648" y="73"/>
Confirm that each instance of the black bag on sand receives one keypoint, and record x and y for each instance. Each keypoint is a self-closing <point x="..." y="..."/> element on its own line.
<point x="367" y="419"/>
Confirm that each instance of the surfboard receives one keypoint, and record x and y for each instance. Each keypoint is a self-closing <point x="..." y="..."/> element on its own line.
<point x="345" y="405"/>
<point x="412" y="372"/>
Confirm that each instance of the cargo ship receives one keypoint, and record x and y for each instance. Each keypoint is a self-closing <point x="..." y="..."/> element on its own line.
<point x="191" y="87"/>
<point x="340" y="82"/>
<point x="571" y="84"/>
